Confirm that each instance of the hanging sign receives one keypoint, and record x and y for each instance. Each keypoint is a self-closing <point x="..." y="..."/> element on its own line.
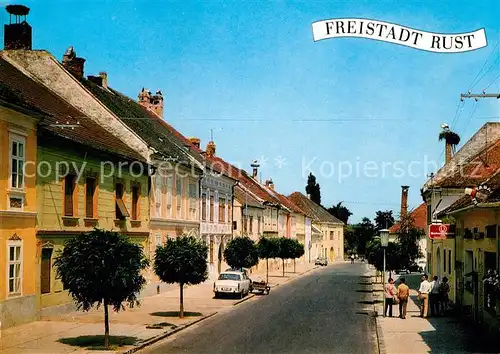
<point x="393" y="33"/>
<point x="440" y="231"/>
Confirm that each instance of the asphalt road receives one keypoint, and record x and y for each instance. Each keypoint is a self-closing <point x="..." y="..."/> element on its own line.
<point x="324" y="311"/>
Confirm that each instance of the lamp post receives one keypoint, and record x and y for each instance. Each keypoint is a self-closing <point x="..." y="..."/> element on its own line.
<point x="384" y="242"/>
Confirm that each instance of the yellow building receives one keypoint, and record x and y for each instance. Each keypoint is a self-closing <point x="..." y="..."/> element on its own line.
<point x="85" y="178"/>
<point x="18" y="146"/>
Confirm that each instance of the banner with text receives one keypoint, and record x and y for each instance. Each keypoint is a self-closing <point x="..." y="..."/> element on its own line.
<point x="393" y="33"/>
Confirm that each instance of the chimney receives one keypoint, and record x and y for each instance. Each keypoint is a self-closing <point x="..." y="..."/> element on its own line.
<point x="404" y="200"/>
<point x="95" y="79"/>
<point x="448" y="147"/>
<point x="72" y="63"/>
<point x="153" y="103"/>
<point x="195" y="142"/>
<point x="104" y="76"/>
<point x="270" y="184"/>
<point x="210" y="152"/>
<point x="255" y="168"/>
<point x="17" y="34"/>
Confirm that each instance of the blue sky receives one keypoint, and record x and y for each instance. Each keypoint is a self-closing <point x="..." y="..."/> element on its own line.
<point x="250" y="71"/>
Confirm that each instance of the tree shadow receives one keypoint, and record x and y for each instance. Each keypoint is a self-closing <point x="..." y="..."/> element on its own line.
<point x="176" y="314"/>
<point x="370" y="302"/>
<point x="96" y="342"/>
<point x="161" y="325"/>
<point x="365" y="291"/>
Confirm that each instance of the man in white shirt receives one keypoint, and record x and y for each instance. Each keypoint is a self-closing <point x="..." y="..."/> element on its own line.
<point x="423" y="295"/>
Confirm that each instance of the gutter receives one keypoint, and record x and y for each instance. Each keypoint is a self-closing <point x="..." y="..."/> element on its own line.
<point x="480" y="205"/>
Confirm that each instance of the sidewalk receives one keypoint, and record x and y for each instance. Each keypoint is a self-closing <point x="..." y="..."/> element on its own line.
<point x="83" y="332"/>
<point x="416" y="334"/>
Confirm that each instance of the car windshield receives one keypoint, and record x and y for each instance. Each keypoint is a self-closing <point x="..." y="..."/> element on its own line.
<point x="229" y="276"/>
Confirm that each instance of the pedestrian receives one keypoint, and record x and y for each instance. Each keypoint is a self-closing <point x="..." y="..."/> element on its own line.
<point x="403" y="294"/>
<point x="444" y="295"/>
<point x="352" y="259"/>
<point x="434" y="296"/>
<point x="423" y="296"/>
<point x="390" y="292"/>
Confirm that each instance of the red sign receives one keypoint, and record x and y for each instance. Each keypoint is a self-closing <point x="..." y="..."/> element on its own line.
<point x="440" y="231"/>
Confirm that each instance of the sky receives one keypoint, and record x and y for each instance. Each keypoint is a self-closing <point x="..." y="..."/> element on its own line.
<point x="250" y="72"/>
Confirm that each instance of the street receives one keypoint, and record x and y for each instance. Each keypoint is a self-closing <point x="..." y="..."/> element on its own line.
<point x="325" y="311"/>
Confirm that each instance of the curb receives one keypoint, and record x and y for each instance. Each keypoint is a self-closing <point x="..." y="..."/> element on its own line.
<point x="378" y="329"/>
<point x="248" y="297"/>
<point x="165" y="335"/>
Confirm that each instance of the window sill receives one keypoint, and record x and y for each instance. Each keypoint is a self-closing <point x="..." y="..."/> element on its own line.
<point x="13" y="295"/>
<point x="135" y="223"/>
<point x="69" y="220"/>
<point x="119" y="222"/>
<point x="16" y="192"/>
<point x="90" y="221"/>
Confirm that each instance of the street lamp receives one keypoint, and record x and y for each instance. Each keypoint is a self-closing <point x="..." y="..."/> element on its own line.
<point x="384" y="242"/>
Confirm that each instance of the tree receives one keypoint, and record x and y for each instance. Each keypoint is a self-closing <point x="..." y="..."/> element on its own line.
<point x="375" y="255"/>
<point x="349" y="240"/>
<point x="408" y="240"/>
<point x="313" y="189"/>
<point x="268" y="248"/>
<point x="241" y="252"/>
<point x="102" y="267"/>
<point x="340" y="212"/>
<point x="383" y="220"/>
<point x="184" y="261"/>
<point x="286" y="250"/>
<point x="364" y="233"/>
<point x="297" y="252"/>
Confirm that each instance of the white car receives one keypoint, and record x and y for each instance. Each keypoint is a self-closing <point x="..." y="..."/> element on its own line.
<point x="232" y="283"/>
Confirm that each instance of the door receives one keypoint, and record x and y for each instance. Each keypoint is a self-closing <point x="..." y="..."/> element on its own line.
<point x="45" y="267"/>
<point x="332" y="254"/>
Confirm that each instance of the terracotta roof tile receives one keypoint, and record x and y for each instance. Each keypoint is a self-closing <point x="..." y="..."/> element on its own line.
<point x="311" y="209"/>
<point x="245" y="197"/>
<point x="34" y="96"/>
<point x="419" y="215"/>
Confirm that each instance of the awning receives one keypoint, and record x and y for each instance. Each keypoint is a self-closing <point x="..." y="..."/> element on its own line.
<point x="315" y="230"/>
<point x="445" y="202"/>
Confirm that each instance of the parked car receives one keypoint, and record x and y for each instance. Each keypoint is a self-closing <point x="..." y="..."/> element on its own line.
<point x="232" y="283"/>
<point x="322" y="261"/>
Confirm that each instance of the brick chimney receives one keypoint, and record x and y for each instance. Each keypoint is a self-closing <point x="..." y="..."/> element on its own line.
<point x="210" y="152"/>
<point x="104" y="76"/>
<point x="73" y="64"/>
<point x="153" y="103"/>
<point x="195" y="142"/>
<point x="404" y="200"/>
<point x="18" y="33"/>
<point x="255" y="168"/>
<point x="270" y="184"/>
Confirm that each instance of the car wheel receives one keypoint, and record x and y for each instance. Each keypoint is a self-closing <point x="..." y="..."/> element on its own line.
<point x="217" y="295"/>
<point x="241" y="294"/>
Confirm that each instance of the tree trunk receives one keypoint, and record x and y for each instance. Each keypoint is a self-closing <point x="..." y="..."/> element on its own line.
<point x="283" y="260"/>
<point x="267" y="270"/>
<point x="181" y="312"/>
<point x="106" y="325"/>
<point x="294" y="265"/>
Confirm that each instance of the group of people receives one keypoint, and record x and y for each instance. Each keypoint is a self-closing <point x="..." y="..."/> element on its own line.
<point x="431" y="294"/>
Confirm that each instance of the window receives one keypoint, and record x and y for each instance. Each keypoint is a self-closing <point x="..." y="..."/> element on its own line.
<point x="222" y="210"/>
<point x="444" y="260"/>
<point x="229" y="215"/>
<point x="204" y="206"/>
<point x="250" y="224"/>
<point x="331" y="235"/>
<point x="449" y="261"/>
<point x="17" y="158"/>
<point x="192" y="200"/>
<point x="14" y="268"/>
<point x="258" y="225"/>
<point x="158" y="195"/>
<point x="45" y="270"/>
<point x="216" y="210"/>
<point x="178" y="186"/>
<point x="212" y="208"/>
<point x="211" y="250"/>
<point x="169" y="195"/>
<point x="90" y="202"/>
<point x="158" y="239"/>
<point x="121" y="210"/>
<point x="136" y="193"/>
<point x="244" y="224"/>
<point x="429" y="211"/>
<point x="69" y="191"/>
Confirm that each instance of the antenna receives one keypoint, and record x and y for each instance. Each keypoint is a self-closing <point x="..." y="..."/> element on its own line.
<point x="211" y="135"/>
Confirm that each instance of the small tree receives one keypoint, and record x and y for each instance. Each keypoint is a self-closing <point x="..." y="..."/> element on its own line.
<point x="102" y="267"/>
<point x="241" y="252"/>
<point x="298" y="252"/>
<point x="184" y="261"/>
<point x="268" y="248"/>
<point x="286" y="250"/>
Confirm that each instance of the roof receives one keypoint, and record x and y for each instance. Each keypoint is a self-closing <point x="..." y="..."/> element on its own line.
<point x="492" y="182"/>
<point x="313" y="210"/>
<point x="151" y="128"/>
<point x="419" y="216"/>
<point x="18" y="89"/>
<point x="246" y="198"/>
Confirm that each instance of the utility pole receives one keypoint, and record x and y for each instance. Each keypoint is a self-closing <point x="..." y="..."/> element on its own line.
<point x="479" y="95"/>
